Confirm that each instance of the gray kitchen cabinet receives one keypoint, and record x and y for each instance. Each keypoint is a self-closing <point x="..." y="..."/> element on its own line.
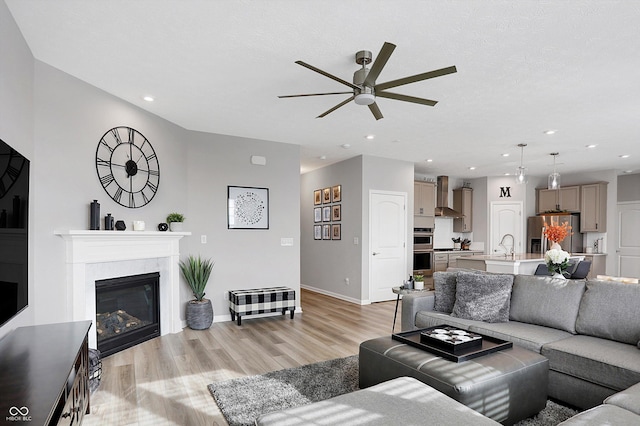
<point x="463" y="203"/>
<point x="424" y="198"/>
<point x="593" y="212"/>
<point x="441" y="260"/>
<point x="563" y="199"/>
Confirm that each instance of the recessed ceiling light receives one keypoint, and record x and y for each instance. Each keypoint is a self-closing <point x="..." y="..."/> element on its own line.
<point x="323" y="157"/>
<point x="506" y="154"/>
<point x="549" y="132"/>
<point x="472" y="168"/>
<point x="628" y="171"/>
<point x="429" y="160"/>
<point x="593" y="145"/>
<point x="148" y="98"/>
<point x="370" y="137"/>
<point x="624" y="156"/>
<point x="346" y="145"/>
<point x="507" y="174"/>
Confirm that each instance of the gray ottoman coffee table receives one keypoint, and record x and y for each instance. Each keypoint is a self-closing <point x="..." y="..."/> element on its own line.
<point x="507" y="386"/>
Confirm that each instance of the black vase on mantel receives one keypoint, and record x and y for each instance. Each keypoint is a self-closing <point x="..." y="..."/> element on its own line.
<point x="94" y="216"/>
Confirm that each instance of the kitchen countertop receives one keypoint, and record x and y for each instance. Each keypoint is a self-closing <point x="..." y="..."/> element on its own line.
<point x="523" y="263"/>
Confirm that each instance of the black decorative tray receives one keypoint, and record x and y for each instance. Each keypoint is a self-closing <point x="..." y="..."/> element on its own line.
<point x="416" y="339"/>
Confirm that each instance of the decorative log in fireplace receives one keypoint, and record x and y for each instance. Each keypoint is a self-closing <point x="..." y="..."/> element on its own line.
<point x="127" y="311"/>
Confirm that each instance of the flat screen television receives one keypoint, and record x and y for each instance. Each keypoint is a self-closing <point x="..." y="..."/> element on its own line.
<point x="14" y="234"/>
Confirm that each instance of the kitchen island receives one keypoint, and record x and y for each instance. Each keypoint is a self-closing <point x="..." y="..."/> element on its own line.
<point x="524" y="263"/>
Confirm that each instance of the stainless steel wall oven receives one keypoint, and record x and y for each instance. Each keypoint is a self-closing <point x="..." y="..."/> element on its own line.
<point x="423" y="251"/>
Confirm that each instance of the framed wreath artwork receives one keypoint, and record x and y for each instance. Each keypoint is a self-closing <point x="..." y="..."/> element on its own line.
<point x="247" y="207"/>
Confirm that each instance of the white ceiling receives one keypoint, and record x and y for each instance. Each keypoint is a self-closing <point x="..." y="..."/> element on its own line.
<point x="217" y="66"/>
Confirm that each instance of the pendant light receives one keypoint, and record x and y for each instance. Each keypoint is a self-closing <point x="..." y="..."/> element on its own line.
<point x="554" y="178"/>
<point x="521" y="177"/>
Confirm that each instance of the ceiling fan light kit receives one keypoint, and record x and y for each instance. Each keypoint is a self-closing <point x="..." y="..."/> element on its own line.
<point x="364" y="86"/>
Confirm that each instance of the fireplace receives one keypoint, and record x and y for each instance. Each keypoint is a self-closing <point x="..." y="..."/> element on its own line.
<point x="127" y="311"/>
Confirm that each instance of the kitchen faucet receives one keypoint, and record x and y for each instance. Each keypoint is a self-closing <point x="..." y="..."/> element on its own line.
<point x="513" y="242"/>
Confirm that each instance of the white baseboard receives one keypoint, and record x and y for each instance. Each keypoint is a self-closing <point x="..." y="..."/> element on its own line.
<point x="336" y="295"/>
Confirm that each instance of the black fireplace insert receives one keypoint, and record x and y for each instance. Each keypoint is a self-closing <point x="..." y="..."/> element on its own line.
<point x="127" y="311"/>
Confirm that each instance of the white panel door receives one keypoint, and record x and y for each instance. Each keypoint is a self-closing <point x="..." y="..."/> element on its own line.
<point x="506" y="219"/>
<point x="388" y="250"/>
<point x="628" y="251"/>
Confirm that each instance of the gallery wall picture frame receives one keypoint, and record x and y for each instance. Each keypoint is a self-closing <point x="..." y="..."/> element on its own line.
<point x="317" y="214"/>
<point x="247" y="207"/>
<point x="336" y="213"/>
<point x="336" y="193"/>
<point x="326" y="196"/>
<point x="336" y="231"/>
<point x="326" y="214"/>
<point x="326" y="232"/>
<point x="317" y="197"/>
<point x="317" y="232"/>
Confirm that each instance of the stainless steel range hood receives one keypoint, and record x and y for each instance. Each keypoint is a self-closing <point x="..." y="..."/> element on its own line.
<point x="442" y="199"/>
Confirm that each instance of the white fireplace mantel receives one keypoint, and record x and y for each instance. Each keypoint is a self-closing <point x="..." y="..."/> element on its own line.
<point x="92" y="255"/>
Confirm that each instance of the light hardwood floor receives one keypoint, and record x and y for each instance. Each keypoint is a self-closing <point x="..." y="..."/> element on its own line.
<point x="164" y="381"/>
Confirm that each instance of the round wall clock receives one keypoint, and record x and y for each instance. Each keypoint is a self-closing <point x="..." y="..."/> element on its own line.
<point x="127" y="167"/>
<point x="11" y="164"/>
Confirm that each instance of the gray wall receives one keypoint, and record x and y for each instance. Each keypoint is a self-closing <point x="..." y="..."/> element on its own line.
<point x="16" y="122"/>
<point x="56" y="121"/>
<point x="629" y="188"/>
<point x="326" y="264"/>
<point x="244" y="258"/>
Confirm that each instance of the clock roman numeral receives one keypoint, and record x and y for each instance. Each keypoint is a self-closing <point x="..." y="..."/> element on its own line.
<point x="116" y="136"/>
<point x="154" y="188"/>
<point x="154" y="172"/>
<point x="106" y="180"/>
<point x="103" y="142"/>
<point x="131" y="135"/>
<point x="132" y="201"/>
<point x="101" y="162"/>
<point x="118" y="195"/>
<point x="145" y="199"/>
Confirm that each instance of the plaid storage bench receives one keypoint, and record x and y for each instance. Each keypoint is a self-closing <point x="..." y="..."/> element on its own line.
<point x="261" y="300"/>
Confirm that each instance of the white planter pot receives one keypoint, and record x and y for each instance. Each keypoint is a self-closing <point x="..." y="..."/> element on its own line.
<point x="175" y="226"/>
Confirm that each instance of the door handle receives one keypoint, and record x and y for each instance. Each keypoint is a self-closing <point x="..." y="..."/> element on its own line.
<point x="375" y="253"/>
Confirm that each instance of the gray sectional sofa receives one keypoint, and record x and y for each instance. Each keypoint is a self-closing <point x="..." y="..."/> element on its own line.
<point x="589" y="331"/>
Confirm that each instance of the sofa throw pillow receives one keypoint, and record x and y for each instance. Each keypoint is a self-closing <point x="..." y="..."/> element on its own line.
<point x="444" y="284"/>
<point x="543" y="300"/>
<point x="483" y="297"/>
<point x="609" y="309"/>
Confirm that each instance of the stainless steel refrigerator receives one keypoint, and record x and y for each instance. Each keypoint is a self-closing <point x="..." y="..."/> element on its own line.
<point x="538" y="243"/>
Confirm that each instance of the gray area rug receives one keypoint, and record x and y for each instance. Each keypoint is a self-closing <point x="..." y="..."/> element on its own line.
<point x="243" y="400"/>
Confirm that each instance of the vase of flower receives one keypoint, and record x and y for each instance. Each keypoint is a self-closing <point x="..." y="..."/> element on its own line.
<point x="557" y="261"/>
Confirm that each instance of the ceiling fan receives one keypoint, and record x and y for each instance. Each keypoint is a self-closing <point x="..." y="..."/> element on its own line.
<point x="365" y="89"/>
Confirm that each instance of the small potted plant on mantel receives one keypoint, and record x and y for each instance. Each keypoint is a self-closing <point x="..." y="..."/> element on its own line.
<point x="196" y="271"/>
<point x="175" y="221"/>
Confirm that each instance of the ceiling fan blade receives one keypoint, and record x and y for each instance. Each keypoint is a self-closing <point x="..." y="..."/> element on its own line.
<point x="379" y="63"/>
<point x="406" y="98"/>
<point x="315" y="94"/>
<point x="417" y="77"/>
<point x="375" y="111"/>
<point x="326" y="74"/>
<point x="343" y="103"/>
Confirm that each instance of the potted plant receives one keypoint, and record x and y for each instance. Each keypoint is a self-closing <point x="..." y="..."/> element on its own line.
<point x="175" y="221"/>
<point x="196" y="271"/>
<point x="418" y="282"/>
